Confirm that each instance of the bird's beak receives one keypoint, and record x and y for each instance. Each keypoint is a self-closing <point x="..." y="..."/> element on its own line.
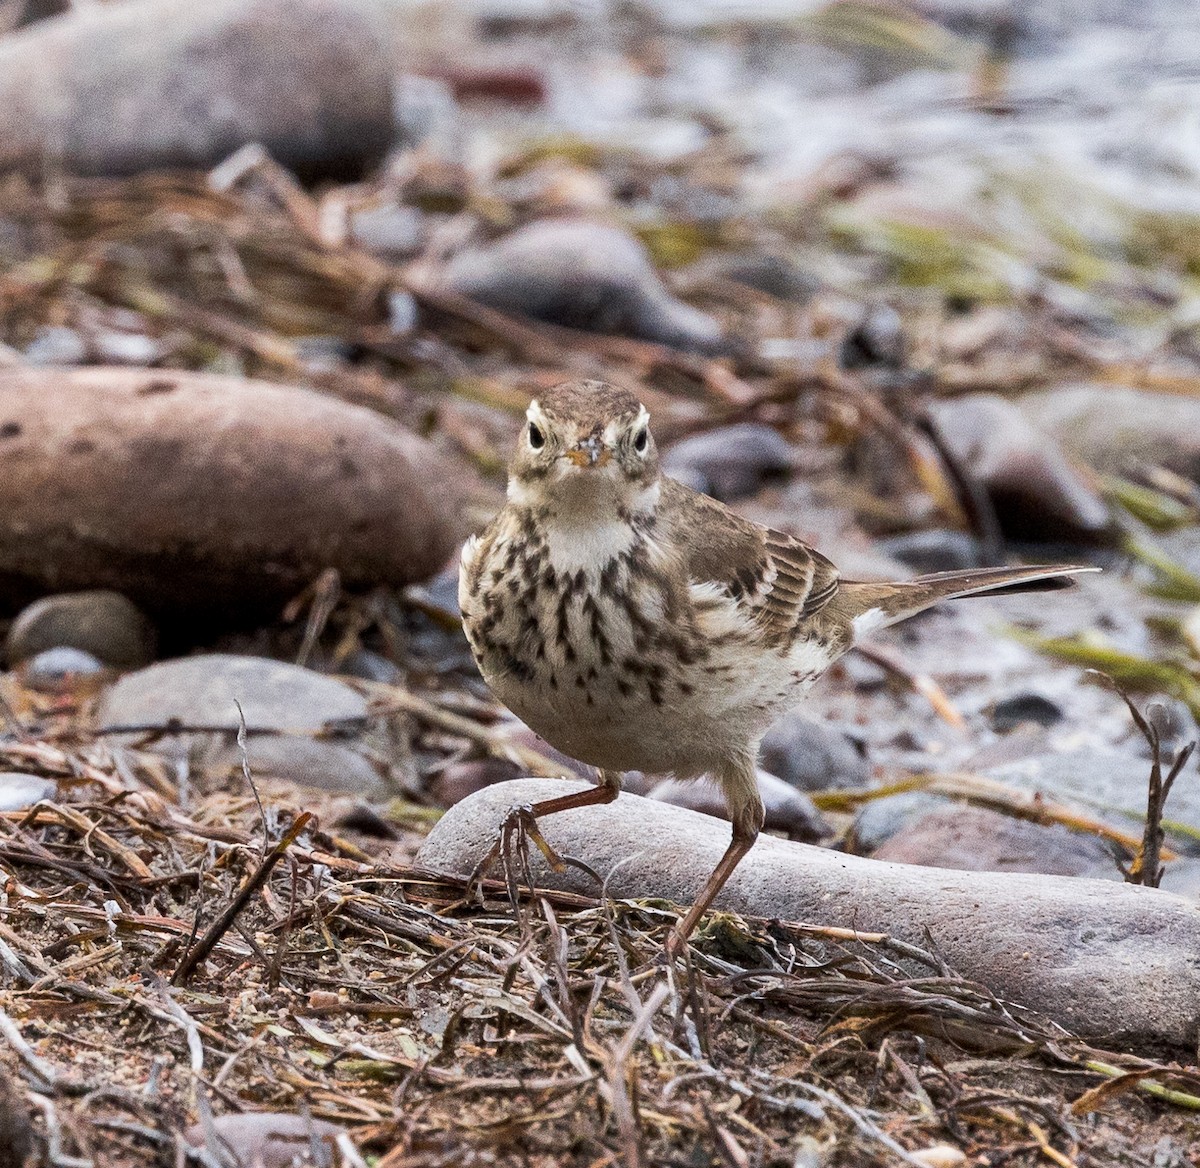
<point x="590" y="452"/>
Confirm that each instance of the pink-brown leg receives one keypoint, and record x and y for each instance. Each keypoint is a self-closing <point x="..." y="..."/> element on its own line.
<point x="740" y="786"/>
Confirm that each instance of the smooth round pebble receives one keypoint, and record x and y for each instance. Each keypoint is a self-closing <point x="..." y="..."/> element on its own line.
<point x="1018" y="709"/>
<point x="101" y="622"/>
<point x="56" y="670"/>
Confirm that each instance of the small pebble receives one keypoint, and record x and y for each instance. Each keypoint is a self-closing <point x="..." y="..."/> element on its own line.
<point x="940" y="1156"/>
<point x="105" y="624"/>
<point x="392" y="232"/>
<point x="1009" y="713"/>
<point x="880" y="819"/>
<point x="55" y="671"/>
<point x="56" y="345"/>
<point x="878" y="341"/>
<point x="371" y="666"/>
<point x="456" y="781"/>
<point x="268" y="1139"/>
<point x="117" y="348"/>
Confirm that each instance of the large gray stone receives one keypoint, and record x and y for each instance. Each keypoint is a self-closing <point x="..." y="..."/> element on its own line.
<point x="1108" y="961"/>
<point x="284" y="705"/>
<point x="121" y="88"/>
<point x="584" y="275"/>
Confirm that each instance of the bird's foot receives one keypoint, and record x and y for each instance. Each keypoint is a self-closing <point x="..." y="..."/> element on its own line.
<point x="512" y="850"/>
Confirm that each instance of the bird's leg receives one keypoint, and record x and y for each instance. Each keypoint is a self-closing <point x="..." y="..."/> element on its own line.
<point x="521" y="824"/>
<point x="740" y="786"/>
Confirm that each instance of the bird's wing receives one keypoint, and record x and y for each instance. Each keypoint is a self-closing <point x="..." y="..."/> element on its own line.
<point x="776" y="580"/>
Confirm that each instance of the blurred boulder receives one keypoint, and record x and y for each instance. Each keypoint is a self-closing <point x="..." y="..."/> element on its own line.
<point x="301" y="726"/>
<point x="976" y="839"/>
<point x="934" y="550"/>
<point x="731" y="462"/>
<point x="1108" y="426"/>
<point x="457" y="780"/>
<point x="1038" y="495"/>
<point x="210" y="495"/>
<point x="122" y="88"/>
<point x="582" y="275"/>
<point x="19" y="790"/>
<point x="812" y="756"/>
<point x="103" y="623"/>
<point x="878" y="820"/>
<point x="788" y="811"/>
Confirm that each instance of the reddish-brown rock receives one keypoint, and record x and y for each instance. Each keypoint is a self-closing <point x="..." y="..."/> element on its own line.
<point x="191" y="492"/>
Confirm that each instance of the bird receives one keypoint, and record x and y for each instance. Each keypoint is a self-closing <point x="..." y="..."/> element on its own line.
<point x="636" y="624"/>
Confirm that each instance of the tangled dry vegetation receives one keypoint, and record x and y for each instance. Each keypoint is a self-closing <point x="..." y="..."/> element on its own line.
<point x="169" y="958"/>
<point x="237" y="960"/>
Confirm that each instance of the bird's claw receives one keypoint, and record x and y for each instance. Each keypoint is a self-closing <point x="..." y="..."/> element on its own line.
<point x="519" y="826"/>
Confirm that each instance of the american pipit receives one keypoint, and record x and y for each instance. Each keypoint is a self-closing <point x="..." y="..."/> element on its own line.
<point x="637" y="625"/>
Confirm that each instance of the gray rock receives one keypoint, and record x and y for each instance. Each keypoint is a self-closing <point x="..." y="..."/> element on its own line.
<point x="121" y="89"/>
<point x="390" y="230"/>
<point x="1113" y="784"/>
<point x="1109" y="961"/>
<point x="370" y="666"/>
<point x="935" y="550"/>
<point x="813" y="756"/>
<point x="56" y="345"/>
<point x="1021" y="708"/>
<point x="1109" y="426"/>
<point x="18" y="790"/>
<point x="583" y="275"/>
<point x="731" y="462"/>
<point x="59" y="669"/>
<point x="1038" y="495"/>
<point x="267" y="1139"/>
<point x="453" y="783"/>
<point x="880" y="819"/>
<point x="284" y="705"/>
<point x="105" y="624"/>
<point x="977" y="839"/>
<point x="787" y="810"/>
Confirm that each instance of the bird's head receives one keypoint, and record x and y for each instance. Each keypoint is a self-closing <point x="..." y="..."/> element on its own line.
<point x="585" y="443"/>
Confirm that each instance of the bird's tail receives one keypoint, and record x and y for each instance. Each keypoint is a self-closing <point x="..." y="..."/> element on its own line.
<point x="874" y="606"/>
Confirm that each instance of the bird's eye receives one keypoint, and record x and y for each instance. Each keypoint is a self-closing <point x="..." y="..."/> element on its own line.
<point x="640" y="440"/>
<point x="536" y="438"/>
